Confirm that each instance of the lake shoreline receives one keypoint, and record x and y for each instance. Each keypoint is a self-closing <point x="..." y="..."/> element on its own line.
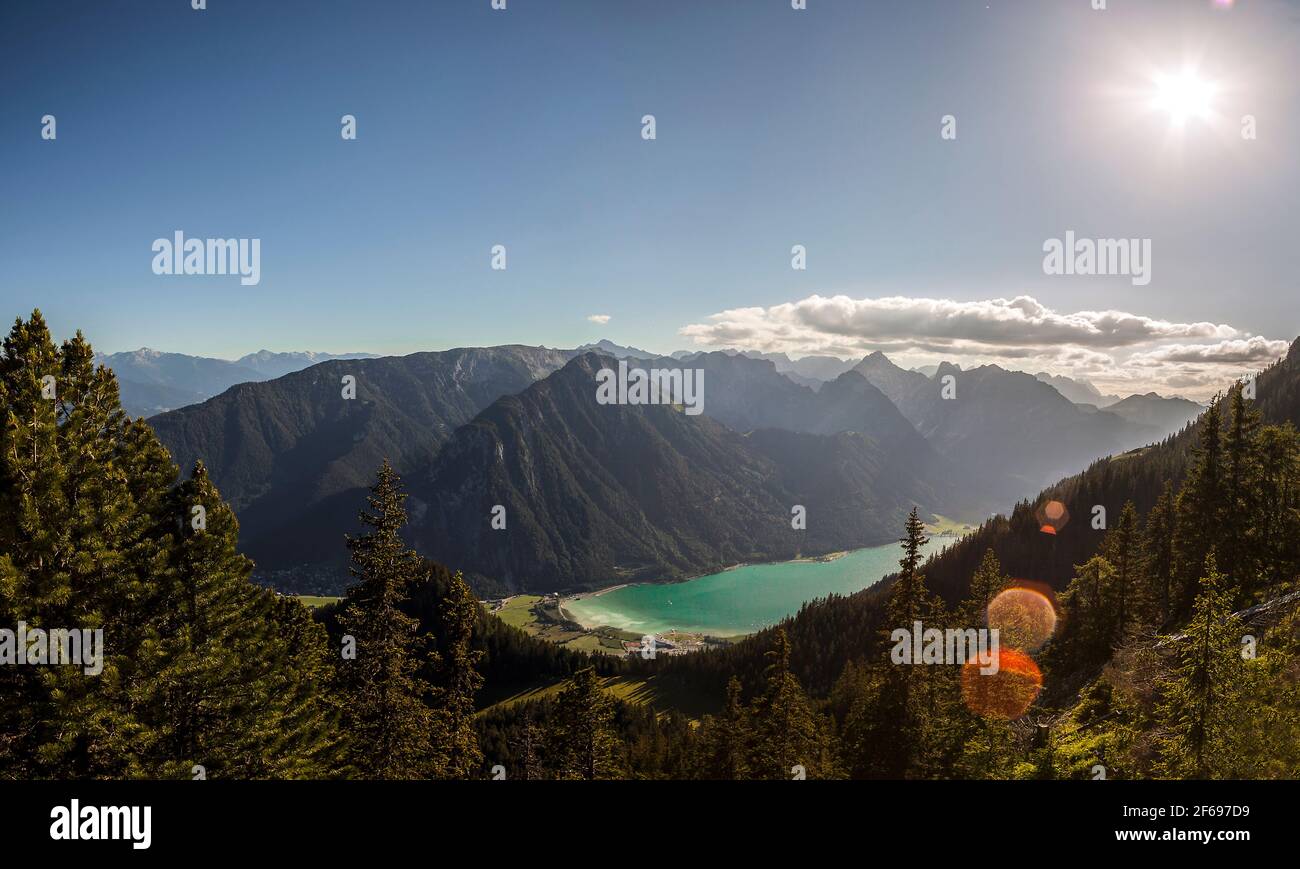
<point x="697" y="622"/>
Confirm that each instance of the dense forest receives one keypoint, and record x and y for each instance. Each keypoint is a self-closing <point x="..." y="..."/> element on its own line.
<point x="1172" y="648"/>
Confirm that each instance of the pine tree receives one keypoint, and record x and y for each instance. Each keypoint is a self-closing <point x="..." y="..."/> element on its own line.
<point x="235" y="681"/>
<point x="901" y="729"/>
<point x="786" y="732"/>
<point x="723" y="748"/>
<point x="458" y="681"/>
<point x="1278" y="533"/>
<point x="987" y="582"/>
<point x="1199" y="702"/>
<point x="1124" y="595"/>
<point x="528" y="765"/>
<point x="1087" y="627"/>
<point x="1239" y="553"/>
<point x="581" y="739"/>
<point x="388" y="725"/>
<point x="909" y="599"/>
<point x="1158" y="570"/>
<point x="65" y="507"/>
<point x="1199" y="511"/>
<point x="196" y="667"/>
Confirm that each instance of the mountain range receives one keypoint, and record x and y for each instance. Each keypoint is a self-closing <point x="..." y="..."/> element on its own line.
<point x="596" y="494"/>
<point x="1015" y="426"/>
<point x="152" y="382"/>
<point x="1077" y="390"/>
<point x="1137" y="475"/>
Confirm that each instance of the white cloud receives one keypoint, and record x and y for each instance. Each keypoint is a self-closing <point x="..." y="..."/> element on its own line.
<point x="818" y="323"/>
<point x="1125" y="350"/>
<point x="1255" y="350"/>
<point x="599" y="319"/>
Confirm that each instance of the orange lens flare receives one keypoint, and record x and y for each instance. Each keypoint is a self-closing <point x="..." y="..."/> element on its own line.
<point x="1006" y="694"/>
<point x="1052" y="517"/>
<point x="1024" y="618"/>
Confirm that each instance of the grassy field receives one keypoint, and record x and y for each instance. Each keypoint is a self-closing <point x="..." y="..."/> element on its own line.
<point x="314" y="601"/>
<point x="518" y="610"/>
<point x="541" y="618"/>
<point x="658" y="692"/>
<point x="944" y="525"/>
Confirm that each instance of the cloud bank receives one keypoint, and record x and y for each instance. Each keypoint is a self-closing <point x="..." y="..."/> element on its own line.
<point x="1114" y="349"/>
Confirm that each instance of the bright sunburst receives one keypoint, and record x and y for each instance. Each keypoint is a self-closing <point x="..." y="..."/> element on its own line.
<point x="1183" y="96"/>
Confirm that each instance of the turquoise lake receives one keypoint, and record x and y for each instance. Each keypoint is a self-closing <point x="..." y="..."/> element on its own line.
<point x="738" y="601"/>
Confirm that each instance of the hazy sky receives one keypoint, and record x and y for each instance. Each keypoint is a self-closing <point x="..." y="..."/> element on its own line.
<point x="774" y="128"/>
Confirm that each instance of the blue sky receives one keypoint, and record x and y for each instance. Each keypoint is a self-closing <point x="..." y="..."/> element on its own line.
<point x="775" y="127"/>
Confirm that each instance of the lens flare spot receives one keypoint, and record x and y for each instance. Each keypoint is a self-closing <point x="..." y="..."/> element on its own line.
<point x="1006" y="694"/>
<point x="1024" y="617"/>
<point x="1052" y="517"/>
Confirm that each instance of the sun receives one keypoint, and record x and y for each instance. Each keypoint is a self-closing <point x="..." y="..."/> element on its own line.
<point x="1183" y="96"/>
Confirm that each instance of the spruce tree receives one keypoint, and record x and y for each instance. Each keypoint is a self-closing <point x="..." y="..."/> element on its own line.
<point x="723" y="748"/>
<point x="1199" y="511"/>
<point x="458" y="681"/>
<point x="1278" y="533"/>
<point x="786" y="732"/>
<point x="581" y="739"/>
<point x="1125" y="603"/>
<point x="1087" y="625"/>
<point x="1239" y="554"/>
<point x="196" y="668"/>
<point x="1198" y="707"/>
<point x="1158" y="569"/>
<point x="909" y="599"/>
<point x="987" y="582"/>
<point x="900" y="732"/>
<point x="389" y="727"/>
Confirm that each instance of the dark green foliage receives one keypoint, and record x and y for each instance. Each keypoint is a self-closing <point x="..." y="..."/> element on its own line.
<point x="985" y="585"/>
<point x="580" y="737"/>
<point x="457" y="681"/>
<point x="392" y="731"/>
<point x="784" y="731"/>
<point x="1200" y="698"/>
<point x="1145" y="675"/>
<point x="200" y="667"/>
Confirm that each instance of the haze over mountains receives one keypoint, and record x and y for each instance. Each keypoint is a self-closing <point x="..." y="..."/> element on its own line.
<point x="293" y="457"/>
<point x="604" y="493"/>
<point x="152" y="382"/>
<point x="597" y="494"/>
<point x="1137" y="476"/>
<point x="1078" y="391"/>
<point x="1020" y="428"/>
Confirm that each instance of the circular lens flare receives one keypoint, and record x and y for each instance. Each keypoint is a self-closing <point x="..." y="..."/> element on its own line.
<point x="1023" y="617"/>
<point x="1052" y="517"/>
<point x="1006" y="694"/>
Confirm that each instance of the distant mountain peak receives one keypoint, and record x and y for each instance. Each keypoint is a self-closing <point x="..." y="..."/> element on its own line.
<point x="947" y="367"/>
<point x="617" y="350"/>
